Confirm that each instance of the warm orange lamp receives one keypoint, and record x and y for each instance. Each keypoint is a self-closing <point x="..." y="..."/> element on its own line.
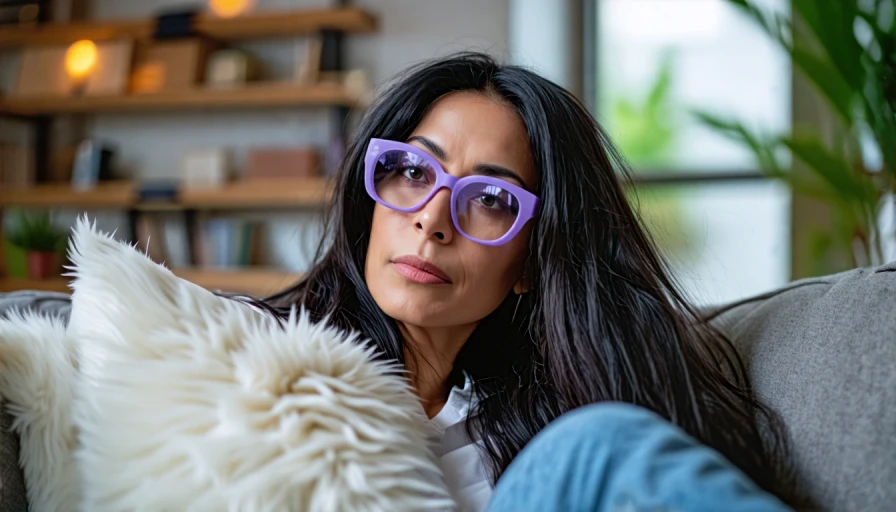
<point x="80" y="60"/>
<point x="229" y="8"/>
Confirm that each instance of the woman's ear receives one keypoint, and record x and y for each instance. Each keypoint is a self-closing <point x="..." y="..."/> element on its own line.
<point x="522" y="286"/>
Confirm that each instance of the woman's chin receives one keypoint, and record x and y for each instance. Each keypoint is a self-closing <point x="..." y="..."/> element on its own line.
<point x="418" y="307"/>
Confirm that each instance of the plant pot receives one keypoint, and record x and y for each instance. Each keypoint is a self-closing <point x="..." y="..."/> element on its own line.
<point x="41" y="265"/>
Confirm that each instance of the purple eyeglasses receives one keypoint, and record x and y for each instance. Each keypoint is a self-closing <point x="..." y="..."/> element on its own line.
<point x="487" y="210"/>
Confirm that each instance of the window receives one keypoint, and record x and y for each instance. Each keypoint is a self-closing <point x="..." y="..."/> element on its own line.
<point x="724" y="239"/>
<point x="722" y="226"/>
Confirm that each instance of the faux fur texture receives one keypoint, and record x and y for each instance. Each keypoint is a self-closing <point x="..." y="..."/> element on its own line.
<point x="37" y="374"/>
<point x="184" y="400"/>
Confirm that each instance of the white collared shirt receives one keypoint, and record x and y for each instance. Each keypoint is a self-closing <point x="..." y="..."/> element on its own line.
<point x="459" y="457"/>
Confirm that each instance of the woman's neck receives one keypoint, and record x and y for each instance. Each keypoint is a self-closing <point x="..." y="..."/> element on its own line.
<point x="429" y="357"/>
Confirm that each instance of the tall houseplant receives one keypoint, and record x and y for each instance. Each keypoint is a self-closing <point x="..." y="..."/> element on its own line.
<point x="847" y="50"/>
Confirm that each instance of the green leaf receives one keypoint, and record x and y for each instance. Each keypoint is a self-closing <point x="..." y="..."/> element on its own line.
<point x="659" y="96"/>
<point x="880" y="35"/>
<point x="764" y="150"/>
<point x="724" y="125"/>
<point x="644" y="127"/>
<point x="821" y="71"/>
<point x="821" y="245"/>
<point x="773" y="25"/>
<point x="828" y="80"/>
<point x="835" y="171"/>
<point x="880" y="110"/>
<point x="887" y="24"/>
<point x="832" y="24"/>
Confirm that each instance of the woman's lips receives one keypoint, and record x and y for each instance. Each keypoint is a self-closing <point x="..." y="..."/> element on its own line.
<point x="420" y="271"/>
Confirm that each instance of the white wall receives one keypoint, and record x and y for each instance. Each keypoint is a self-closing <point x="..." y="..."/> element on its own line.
<point x="150" y="145"/>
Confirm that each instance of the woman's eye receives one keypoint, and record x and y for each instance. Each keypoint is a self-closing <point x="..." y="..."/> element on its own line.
<point x="489" y="201"/>
<point x="413" y="173"/>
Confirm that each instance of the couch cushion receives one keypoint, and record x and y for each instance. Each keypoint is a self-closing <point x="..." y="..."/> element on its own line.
<point x="50" y="303"/>
<point x="12" y="482"/>
<point x="821" y="352"/>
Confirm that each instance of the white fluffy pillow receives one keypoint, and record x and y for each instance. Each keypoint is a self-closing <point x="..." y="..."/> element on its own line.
<point x="37" y="373"/>
<point x="188" y="401"/>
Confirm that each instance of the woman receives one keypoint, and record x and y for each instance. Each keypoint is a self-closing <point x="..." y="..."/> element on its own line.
<point x="480" y="235"/>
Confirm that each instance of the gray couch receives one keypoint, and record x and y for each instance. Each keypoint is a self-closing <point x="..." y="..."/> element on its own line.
<point x="820" y="351"/>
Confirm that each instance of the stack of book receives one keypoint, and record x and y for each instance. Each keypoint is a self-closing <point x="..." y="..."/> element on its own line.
<point x="220" y="243"/>
<point x="226" y="243"/>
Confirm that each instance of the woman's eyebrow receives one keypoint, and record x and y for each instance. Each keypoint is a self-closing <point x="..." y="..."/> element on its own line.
<point x="433" y="148"/>
<point x="492" y="170"/>
<point x="496" y="171"/>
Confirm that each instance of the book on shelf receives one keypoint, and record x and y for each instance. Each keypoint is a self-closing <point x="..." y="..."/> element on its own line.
<point x="16" y="166"/>
<point x="177" y="242"/>
<point x="164" y="239"/>
<point x="227" y="243"/>
<point x="150" y="238"/>
<point x="219" y="243"/>
<point x="16" y="156"/>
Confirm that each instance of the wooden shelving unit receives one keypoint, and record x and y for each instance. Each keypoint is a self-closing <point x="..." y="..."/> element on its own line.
<point x="263" y="25"/>
<point x="253" y="281"/>
<point x="330" y="25"/>
<point x="260" y="95"/>
<point x="275" y="194"/>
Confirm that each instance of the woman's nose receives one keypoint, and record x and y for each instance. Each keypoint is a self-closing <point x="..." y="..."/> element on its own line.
<point x="434" y="219"/>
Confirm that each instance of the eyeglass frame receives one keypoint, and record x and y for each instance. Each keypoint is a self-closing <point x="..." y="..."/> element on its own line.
<point x="528" y="202"/>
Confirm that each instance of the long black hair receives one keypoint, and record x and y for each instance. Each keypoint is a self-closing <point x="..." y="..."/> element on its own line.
<point x="604" y="321"/>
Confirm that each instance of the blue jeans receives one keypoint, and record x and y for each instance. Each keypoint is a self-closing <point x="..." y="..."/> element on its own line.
<point x="618" y="457"/>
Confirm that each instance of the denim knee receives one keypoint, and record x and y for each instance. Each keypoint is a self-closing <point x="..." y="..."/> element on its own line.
<point x="616" y="456"/>
<point x="573" y="463"/>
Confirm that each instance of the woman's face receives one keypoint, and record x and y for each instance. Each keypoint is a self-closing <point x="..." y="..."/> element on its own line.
<point x="463" y="131"/>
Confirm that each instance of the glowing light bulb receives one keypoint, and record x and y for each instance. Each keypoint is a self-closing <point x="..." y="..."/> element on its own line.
<point x="229" y="8"/>
<point x="80" y="59"/>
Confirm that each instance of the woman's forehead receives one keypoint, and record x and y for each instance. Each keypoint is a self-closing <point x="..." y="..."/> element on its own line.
<point x="478" y="129"/>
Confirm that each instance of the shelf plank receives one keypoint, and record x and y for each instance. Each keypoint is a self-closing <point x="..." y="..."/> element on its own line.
<point x="261" y="95"/>
<point x="14" y="284"/>
<point x="295" y="193"/>
<point x="268" y="25"/>
<point x="66" y="33"/>
<point x="257" y="282"/>
<point x="261" y="194"/>
<point x="61" y="195"/>
<point x="261" y="25"/>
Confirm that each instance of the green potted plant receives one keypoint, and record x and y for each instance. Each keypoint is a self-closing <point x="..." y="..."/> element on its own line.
<point x="42" y="241"/>
<point x="847" y="50"/>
